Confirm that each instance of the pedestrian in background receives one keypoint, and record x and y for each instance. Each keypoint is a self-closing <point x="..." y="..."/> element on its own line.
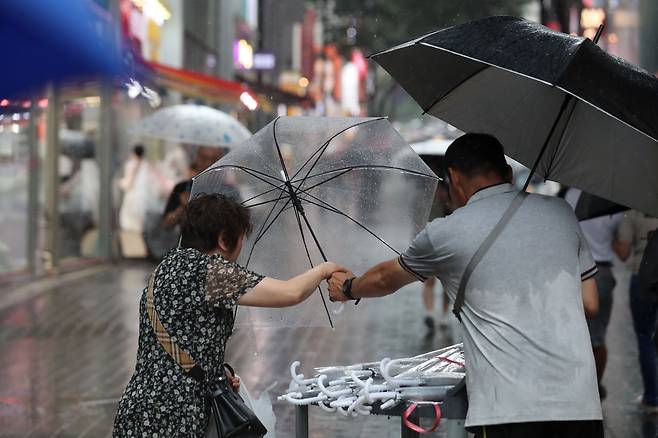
<point x="600" y="234"/>
<point x="135" y="186"/>
<point x="634" y="231"/>
<point x="440" y="208"/>
<point x="204" y="157"/>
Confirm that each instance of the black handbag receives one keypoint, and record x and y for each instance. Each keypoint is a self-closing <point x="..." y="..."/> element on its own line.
<point x="233" y="418"/>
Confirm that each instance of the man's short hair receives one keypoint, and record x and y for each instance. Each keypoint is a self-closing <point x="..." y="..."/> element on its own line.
<point x="477" y="154"/>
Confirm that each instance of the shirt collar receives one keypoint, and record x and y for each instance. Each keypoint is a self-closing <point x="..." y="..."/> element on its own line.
<point x="496" y="189"/>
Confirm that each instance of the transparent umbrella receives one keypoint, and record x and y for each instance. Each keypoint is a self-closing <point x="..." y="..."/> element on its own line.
<point x="346" y="189"/>
<point x="193" y="124"/>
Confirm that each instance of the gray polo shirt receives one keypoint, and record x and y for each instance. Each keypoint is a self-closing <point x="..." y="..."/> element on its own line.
<point x="526" y="343"/>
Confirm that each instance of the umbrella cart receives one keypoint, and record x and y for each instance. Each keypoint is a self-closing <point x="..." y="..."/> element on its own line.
<point x="428" y="386"/>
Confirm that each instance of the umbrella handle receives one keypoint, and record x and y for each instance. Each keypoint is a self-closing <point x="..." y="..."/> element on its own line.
<point x="299" y="378"/>
<point x="416" y="428"/>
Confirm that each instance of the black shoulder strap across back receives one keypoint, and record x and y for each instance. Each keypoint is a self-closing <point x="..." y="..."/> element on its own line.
<point x="482" y="250"/>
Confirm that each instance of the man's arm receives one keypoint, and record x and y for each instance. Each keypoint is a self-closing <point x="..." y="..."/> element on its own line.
<point x="623" y="244"/>
<point x="590" y="298"/>
<point x="383" y="279"/>
<point x="622" y="249"/>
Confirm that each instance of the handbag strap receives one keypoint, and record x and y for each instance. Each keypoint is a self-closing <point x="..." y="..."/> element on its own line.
<point x="180" y="356"/>
<point x="482" y="250"/>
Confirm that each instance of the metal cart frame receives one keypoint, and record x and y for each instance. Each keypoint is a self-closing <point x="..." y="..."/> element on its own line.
<point x="453" y="408"/>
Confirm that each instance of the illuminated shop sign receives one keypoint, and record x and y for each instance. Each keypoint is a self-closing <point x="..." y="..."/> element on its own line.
<point x="243" y="55"/>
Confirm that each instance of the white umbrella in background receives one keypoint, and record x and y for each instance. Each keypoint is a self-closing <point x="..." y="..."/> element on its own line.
<point x="193" y="124"/>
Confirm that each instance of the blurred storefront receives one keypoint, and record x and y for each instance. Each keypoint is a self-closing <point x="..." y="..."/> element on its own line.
<point x="629" y="25"/>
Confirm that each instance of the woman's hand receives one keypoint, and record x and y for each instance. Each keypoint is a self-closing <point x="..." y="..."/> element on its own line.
<point x="329" y="268"/>
<point x="234" y="381"/>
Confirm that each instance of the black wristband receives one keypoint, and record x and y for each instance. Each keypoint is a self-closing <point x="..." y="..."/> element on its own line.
<point x="347" y="290"/>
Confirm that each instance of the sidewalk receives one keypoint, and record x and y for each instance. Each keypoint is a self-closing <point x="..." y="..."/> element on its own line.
<point x="68" y="349"/>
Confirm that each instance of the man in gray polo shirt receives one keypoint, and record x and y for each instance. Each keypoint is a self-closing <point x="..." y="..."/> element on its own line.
<point x="530" y="368"/>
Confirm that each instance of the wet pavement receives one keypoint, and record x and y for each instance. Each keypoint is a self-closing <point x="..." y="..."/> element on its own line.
<point x="67" y="350"/>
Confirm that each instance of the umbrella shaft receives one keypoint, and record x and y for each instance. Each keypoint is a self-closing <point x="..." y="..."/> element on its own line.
<point x="568" y="98"/>
<point x="298" y="206"/>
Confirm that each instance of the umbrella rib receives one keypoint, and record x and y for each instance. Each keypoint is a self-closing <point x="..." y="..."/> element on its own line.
<point x="447" y="93"/>
<point x="278" y="151"/>
<point x="262" y="231"/>
<point x="280" y="187"/>
<point x="246" y="169"/>
<point x="565" y="103"/>
<point x="333" y="209"/>
<point x="269" y="201"/>
<point x="325" y="145"/>
<point x="372" y="166"/>
<point x="308" y="255"/>
<point x="559" y="142"/>
<point x="299" y="187"/>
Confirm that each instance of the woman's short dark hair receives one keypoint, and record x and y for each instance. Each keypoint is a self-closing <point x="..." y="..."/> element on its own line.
<point x="477" y="154"/>
<point x="207" y="217"/>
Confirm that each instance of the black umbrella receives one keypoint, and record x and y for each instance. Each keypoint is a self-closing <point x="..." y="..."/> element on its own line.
<point x="558" y="103"/>
<point x="591" y="206"/>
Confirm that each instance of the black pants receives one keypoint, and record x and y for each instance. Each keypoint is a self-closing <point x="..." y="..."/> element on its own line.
<point x="548" y="429"/>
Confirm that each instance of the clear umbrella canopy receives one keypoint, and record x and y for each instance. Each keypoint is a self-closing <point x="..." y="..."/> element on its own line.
<point x="193" y="124"/>
<point x="350" y="190"/>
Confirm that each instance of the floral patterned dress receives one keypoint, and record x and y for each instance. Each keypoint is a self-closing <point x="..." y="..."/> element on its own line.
<point x="194" y="295"/>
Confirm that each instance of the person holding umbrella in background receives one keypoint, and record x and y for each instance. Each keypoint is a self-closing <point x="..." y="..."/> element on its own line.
<point x="531" y="370"/>
<point x="634" y="232"/>
<point x="205" y="156"/>
<point x="601" y="235"/>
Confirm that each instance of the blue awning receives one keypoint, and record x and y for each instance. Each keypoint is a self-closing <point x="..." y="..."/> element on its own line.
<point x="53" y="40"/>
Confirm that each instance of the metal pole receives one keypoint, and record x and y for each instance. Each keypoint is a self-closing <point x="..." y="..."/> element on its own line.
<point x="456" y="429"/>
<point x="567" y="100"/>
<point x="33" y="168"/>
<point x="301" y="422"/>
<point x="104" y="154"/>
<point x="51" y="176"/>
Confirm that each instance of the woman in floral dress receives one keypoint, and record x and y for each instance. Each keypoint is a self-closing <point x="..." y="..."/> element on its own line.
<point x="196" y="288"/>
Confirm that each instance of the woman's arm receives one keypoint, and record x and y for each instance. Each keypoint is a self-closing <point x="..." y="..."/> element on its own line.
<point x="271" y="292"/>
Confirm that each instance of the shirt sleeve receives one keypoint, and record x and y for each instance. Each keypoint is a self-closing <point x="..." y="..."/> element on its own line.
<point x="226" y="282"/>
<point x="420" y="259"/>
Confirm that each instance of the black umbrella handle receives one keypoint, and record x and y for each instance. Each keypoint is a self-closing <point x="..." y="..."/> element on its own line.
<point x="599" y="32"/>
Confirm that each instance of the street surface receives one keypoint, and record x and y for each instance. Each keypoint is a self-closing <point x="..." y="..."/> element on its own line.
<point x="67" y="350"/>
